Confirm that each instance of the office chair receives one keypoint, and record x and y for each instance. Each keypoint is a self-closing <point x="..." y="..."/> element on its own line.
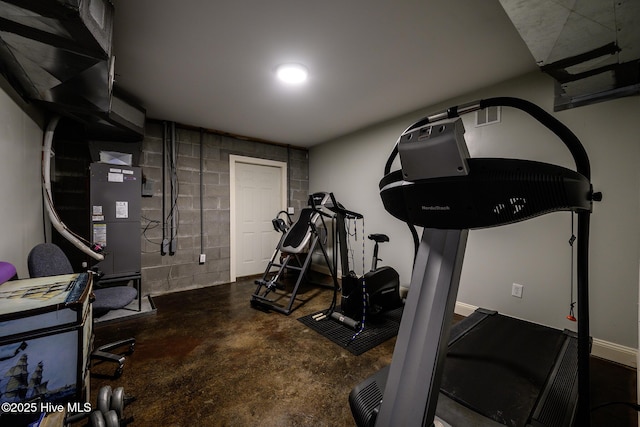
<point x="47" y="259"/>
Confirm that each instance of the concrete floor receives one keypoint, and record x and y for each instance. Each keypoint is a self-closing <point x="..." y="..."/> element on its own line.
<point x="206" y="358"/>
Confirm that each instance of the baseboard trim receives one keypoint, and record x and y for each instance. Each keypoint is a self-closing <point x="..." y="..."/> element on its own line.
<point x="615" y="352"/>
<point x="603" y="349"/>
<point x="464" y="309"/>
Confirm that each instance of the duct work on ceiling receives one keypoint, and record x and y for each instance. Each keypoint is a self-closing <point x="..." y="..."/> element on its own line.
<point x="57" y="53"/>
<point x="591" y="48"/>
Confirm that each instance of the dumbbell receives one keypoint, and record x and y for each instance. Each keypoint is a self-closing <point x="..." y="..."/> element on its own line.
<point x="110" y="405"/>
<point x="98" y="419"/>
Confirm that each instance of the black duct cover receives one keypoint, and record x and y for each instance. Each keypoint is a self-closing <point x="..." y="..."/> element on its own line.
<point x="58" y="53"/>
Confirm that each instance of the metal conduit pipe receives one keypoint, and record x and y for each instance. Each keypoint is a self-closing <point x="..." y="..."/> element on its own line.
<point x="201" y="193"/>
<point x="174" y="195"/>
<point x="164" y="189"/>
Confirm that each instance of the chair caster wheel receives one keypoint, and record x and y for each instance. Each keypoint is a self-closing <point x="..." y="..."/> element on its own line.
<point x="118" y="372"/>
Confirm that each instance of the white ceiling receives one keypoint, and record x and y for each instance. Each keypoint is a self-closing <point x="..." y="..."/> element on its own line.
<point x="211" y="64"/>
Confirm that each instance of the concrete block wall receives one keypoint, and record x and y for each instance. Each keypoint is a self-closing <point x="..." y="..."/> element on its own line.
<point x="182" y="271"/>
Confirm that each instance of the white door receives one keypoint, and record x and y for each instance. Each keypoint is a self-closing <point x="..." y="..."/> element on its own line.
<point x="259" y="193"/>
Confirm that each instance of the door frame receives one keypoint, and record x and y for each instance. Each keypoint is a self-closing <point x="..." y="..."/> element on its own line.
<point x="233" y="160"/>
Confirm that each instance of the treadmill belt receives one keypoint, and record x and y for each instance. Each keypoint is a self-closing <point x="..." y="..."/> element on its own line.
<point x="500" y="367"/>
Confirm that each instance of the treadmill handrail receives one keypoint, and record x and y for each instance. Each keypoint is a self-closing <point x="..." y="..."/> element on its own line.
<point x="565" y="134"/>
<point x="339" y="209"/>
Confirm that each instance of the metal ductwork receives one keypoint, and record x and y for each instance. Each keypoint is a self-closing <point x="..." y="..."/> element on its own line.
<point x="590" y="48"/>
<point x="57" y="54"/>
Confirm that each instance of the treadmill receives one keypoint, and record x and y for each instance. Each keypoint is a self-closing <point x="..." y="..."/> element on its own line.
<point x="499" y="370"/>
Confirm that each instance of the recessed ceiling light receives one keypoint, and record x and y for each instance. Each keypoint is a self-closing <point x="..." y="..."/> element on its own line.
<point x="292" y="73"/>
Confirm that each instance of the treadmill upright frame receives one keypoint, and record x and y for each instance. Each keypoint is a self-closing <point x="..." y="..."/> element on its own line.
<point x="411" y="393"/>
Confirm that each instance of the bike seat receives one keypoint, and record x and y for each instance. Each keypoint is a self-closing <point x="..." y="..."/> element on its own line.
<point x="379" y="238"/>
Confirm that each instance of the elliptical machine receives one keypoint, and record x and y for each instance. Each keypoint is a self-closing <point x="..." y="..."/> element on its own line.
<point x="375" y="292"/>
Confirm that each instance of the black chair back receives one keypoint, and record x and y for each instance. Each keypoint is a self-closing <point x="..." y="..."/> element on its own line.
<point x="47" y="259"/>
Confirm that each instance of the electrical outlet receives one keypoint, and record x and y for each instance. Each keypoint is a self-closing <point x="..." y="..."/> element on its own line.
<point x="516" y="290"/>
<point x="291" y="210"/>
<point x="203" y="258"/>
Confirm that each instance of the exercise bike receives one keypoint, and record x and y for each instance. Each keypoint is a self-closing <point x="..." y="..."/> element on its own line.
<point x="376" y="292"/>
<point x="386" y="297"/>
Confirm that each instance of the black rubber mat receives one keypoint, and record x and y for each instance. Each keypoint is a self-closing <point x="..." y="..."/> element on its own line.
<point x="378" y="329"/>
<point x="499" y="368"/>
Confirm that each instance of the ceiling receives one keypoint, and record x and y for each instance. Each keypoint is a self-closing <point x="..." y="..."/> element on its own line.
<point x="211" y="64"/>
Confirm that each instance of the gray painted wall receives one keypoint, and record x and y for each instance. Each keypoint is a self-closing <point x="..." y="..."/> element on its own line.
<point x="535" y="253"/>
